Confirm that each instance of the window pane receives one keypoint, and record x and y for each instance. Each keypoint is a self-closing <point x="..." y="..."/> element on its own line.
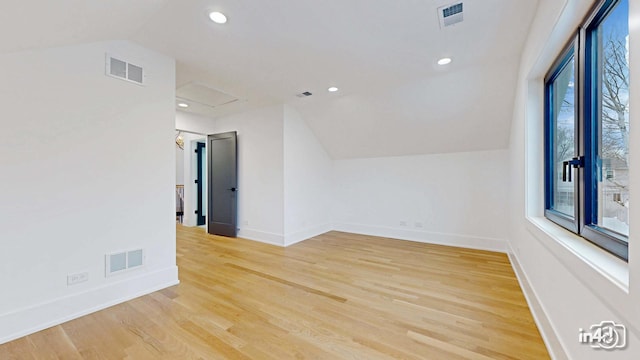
<point x="613" y="124"/>
<point x="564" y="119"/>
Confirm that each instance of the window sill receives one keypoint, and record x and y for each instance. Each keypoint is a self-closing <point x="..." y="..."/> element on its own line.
<point x="614" y="270"/>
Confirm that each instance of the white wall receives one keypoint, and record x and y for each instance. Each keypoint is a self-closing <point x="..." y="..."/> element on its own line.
<point x="452" y="199"/>
<point x="194" y="123"/>
<point x="260" y="167"/>
<point x="88" y="168"/>
<point x="260" y="172"/>
<point x="284" y="174"/>
<point x="291" y="190"/>
<point x="569" y="283"/>
<point x="307" y="181"/>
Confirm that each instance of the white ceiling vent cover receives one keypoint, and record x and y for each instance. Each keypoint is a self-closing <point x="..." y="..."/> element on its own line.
<point x="450" y="14"/>
<point x="123" y="70"/>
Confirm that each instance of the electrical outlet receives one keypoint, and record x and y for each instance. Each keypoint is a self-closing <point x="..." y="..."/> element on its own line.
<point x="77" y="278"/>
<point x="245" y="223"/>
<point x="419" y="224"/>
<point x="403" y="223"/>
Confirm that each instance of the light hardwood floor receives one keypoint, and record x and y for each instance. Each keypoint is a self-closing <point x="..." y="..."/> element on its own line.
<point x="336" y="296"/>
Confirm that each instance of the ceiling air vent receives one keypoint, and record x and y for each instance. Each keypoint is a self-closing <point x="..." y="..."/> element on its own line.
<point x="304" y="94"/>
<point x="450" y="15"/>
<point x="123" y="70"/>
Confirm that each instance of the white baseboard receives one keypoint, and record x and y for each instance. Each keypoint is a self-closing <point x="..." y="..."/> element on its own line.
<point x="466" y="241"/>
<point x="298" y="236"/>
<point x="551" y="340"/>
<point x="29" y="320"/>
<point x="261" y="236"/>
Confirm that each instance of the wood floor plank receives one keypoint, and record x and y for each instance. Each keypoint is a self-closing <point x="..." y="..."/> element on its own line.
<point x="336" y="296"/>
<point x="56" y="342"/>
<point x="292" y="284"/>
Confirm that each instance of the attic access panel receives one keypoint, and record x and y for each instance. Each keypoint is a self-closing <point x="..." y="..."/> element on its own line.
<point x="204" y="95"/>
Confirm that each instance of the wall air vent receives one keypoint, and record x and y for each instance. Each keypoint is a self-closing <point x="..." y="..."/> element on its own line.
<point x="123" y="70"/>
<point x="304" y="94"/>
<point x="116" y="263"/>
<point x="450" y="14"/>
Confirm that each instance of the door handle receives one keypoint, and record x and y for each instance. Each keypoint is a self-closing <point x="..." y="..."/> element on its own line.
<point x="233" y="189"/>
<point x="565" y="165"/>
<point x="576" y="162"/>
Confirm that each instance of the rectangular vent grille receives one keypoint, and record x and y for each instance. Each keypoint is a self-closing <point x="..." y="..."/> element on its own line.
<point x="134" y="73"/>
<point x="450" y="14"/>
<point x="123" y="261"/>
<point x="452" y="10"/>
<point x="125" y="71"/>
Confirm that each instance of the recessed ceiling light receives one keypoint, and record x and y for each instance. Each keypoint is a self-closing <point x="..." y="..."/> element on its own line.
<point x="332" y="89"/>
<point x="444" y="61"/>
<point x="218" y="17"/>
<point x="183" y="105"/>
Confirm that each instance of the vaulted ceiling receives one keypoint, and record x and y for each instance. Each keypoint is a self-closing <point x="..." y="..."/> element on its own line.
<point x="393" y="99"/>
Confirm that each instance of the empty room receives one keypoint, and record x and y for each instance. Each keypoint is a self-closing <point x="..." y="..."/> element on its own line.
<point x="328" y="179"/>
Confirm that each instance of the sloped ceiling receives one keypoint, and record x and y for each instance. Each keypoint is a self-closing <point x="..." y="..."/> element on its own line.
<point x="393" y="98"/>
<point x="31" y="24"/>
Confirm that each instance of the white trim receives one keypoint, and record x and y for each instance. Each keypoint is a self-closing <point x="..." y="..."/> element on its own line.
<point x="261" y="236"/>
<point x="545" y="325"/>
<point x="459" y="240"/>
<point x="614" y="270"/>
<point x="308" y="233"/>
<point x="606" y="276"/>
<point x="29" y="320"/>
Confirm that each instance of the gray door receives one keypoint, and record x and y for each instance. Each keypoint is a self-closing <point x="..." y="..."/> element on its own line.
<point x="223" y="184"/>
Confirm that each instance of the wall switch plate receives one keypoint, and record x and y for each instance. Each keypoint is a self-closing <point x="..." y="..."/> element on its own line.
<point x="77" y="278"/>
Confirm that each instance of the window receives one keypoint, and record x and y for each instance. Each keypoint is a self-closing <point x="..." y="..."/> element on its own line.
<point x="587" y="131"/>
<point x="561" y="141"/>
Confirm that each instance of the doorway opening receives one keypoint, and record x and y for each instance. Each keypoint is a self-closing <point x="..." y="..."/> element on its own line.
<point x="201" y="158"/>
<point x="207" y="181"/>
<point x="191" y="180"/>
